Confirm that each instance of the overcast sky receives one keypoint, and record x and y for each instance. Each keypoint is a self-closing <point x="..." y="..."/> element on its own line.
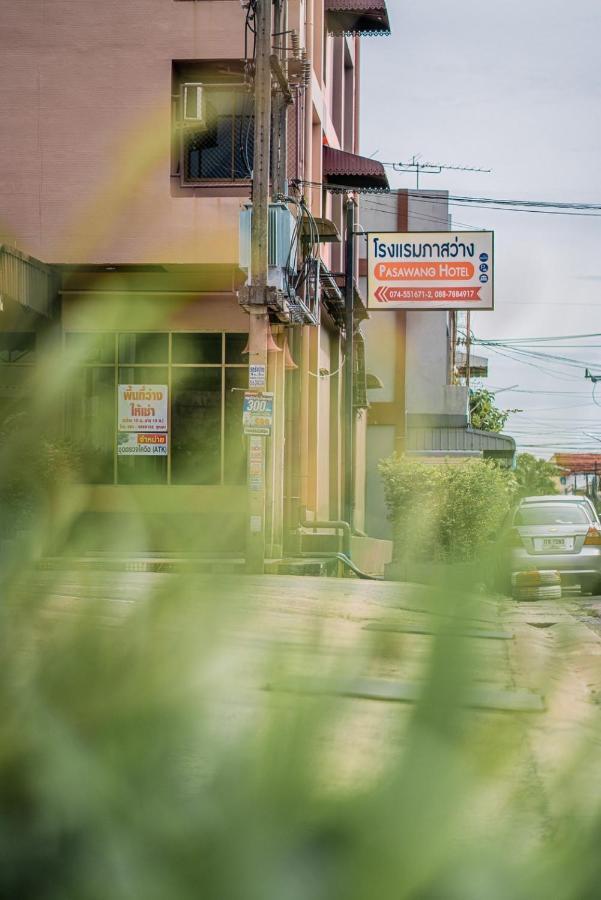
<point x="514" y="87"/>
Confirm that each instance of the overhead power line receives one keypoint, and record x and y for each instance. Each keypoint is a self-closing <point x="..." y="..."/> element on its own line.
<point x="557" y="337"/>
<point x="549" y="207"/>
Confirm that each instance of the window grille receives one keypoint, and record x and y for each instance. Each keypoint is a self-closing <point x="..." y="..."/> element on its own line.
<point x="216" y="134"/>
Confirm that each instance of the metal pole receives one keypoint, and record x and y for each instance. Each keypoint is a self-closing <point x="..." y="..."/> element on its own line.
<point x="279" y="150"/>
<point x="468" y="348"/>
<point x="349" y="412"/>
<point x="452" y="343"/>
<point x="259" y="317"/>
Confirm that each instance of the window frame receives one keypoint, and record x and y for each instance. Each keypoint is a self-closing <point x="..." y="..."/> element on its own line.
<point x="180" y="124"/>
<point x="169" y="365"/>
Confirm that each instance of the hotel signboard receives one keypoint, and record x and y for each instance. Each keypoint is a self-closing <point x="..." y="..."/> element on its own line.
<point x="430" y="270"/>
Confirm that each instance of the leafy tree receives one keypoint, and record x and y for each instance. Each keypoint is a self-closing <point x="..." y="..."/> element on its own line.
<point x="484" y="413"/>
<point x="535" y="476"/>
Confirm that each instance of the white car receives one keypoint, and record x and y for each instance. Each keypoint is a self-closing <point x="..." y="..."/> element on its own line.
<point x="558" y="532"/>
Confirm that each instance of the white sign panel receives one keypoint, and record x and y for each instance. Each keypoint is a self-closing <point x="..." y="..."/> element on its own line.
<point x="142" y="407"/>
<point x="430" y="270"/>
<point x="135" y="444"/>
<point x="256" y="376"/>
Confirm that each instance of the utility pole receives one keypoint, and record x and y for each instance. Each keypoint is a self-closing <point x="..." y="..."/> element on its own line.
<point x="349" y="362"/>
<point x="468" y="351"/>
<point x="258" y="309"/>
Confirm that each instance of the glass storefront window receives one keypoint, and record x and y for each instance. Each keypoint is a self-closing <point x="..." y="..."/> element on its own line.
<point x="199" y="349"/>
<point x="17" y="346"/>
<point x="204" y="438"/>
<point x="91" y="348"/>
<point x="90" y="419"/>
<point x="196" y="426"/>
<point x="234" y="468"/>
<point x="143" y="375"/>
<point x="147" y="347"/>
<point x="235" y="344"/>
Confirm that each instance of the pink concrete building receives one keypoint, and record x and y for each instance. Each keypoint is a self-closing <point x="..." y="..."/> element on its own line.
<point x="124" y="170"/>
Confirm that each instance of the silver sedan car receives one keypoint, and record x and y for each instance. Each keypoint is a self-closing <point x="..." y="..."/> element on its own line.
<point x="560" y="532"/>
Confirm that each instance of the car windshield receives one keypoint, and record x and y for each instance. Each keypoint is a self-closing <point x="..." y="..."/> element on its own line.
<point x="551" y="514"/>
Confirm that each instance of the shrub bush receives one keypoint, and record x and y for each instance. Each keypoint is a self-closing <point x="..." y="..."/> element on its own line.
<point x="444" y="512"/>
<point x="33" y="471"/>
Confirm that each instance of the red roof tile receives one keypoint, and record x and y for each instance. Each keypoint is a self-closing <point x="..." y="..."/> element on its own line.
<point x="578" y="462"/>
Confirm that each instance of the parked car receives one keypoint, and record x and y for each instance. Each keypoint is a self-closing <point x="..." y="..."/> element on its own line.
<point x="555" y="532"/>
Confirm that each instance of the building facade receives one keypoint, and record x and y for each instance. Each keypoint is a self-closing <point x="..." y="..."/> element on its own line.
<point x="124" y="180"/>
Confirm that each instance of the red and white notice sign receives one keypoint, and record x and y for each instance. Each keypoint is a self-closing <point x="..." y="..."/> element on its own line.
<point x="142" y="407"/>
<point x="430" y="270"/>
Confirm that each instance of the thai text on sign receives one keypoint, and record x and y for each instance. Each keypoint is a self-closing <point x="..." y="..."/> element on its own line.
<point x="257" y="413"/>
<point x="430" y="270"/>
<point x="142" y="407"/>
<point x="134" y="444"/>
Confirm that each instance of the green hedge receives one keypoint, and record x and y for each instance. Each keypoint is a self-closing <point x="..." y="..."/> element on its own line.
<point x="444" y="512"/>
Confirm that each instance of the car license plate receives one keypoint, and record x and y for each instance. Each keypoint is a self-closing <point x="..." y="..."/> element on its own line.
<point x="554" y="543"/>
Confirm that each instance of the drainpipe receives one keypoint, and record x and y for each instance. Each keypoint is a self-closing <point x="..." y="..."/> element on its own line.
<point x="349" y="327"/>
<point x="345" y="556"/>
<point x="334" y="525"/>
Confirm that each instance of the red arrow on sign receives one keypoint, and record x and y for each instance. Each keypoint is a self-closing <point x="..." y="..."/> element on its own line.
<point x="388" y="294"/>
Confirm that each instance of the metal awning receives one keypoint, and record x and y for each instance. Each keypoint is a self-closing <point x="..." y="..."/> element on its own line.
<point x="326" y="229"/>
<point x="459" y="440"/>
<point x="26" y="281"/>
<point x="367" y="17"/>
<point x="348" y="171"/>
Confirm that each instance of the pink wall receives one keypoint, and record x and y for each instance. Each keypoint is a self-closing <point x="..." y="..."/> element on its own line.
<point x="85" y="92"/>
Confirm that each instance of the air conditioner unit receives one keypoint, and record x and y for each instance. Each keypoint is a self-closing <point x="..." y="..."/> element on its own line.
<point x="281" y="240"/>
<point x="193" y="103"/>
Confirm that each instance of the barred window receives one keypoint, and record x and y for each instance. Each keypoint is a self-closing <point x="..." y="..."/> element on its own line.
<point x="215" y="131"/>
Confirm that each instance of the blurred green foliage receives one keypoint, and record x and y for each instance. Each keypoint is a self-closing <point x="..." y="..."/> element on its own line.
<point x="534" y="476"/>
<point x="444" y="512"/>
<point x="143" y="757"/>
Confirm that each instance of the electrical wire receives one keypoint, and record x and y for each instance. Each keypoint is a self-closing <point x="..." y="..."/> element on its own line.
<point x="414" y="215"/>
<point x="530" y="206"/>
<point x="325" y="374"/>
<point x="557" y="337"/>
<point x="554" y="357"/>
<point x="554" y="373"/>
<point x="243" y="145"/>
<point x="551" y="393"/>
<point x="521" y="351"/>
